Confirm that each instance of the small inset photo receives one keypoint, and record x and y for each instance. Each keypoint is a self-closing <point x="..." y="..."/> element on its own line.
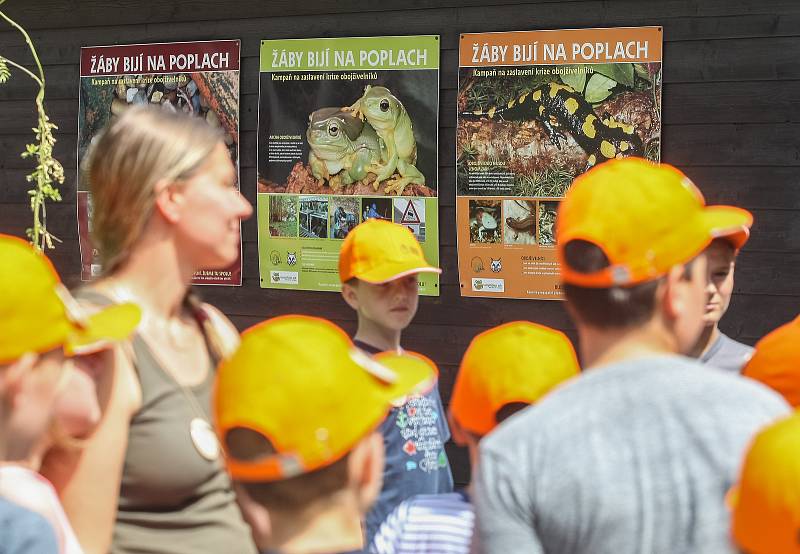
<point x="547" y="223"/>
<point x="376" y="208"/>
<point x="410" y="212"/>
<point x="314" y="217"/>
<point x="283" y="215"/>
<point x="519" y="221"/>
<point x="484" y="221"/>
<point x="344" y="215"/>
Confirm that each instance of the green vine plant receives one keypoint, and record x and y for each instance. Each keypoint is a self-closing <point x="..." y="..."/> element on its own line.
<point x="48" y="173"/>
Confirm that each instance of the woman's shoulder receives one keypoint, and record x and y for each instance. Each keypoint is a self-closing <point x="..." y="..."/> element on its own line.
<point x="226" y="332"/>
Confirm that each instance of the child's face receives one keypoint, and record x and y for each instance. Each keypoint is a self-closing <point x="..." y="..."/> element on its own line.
<point x="30" y="387"/>
<point x="391" y="305"/>
<point x="721" y="259"/>
<point x="77" y="410"/>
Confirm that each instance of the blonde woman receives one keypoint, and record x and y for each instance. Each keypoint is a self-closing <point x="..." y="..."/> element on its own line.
<point x="165" y="205"/>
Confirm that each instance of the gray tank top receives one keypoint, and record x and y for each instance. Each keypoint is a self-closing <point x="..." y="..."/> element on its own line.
<point x="171" y="500"/>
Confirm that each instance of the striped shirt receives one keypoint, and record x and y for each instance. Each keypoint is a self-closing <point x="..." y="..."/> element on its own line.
<point x="427" y="523"/>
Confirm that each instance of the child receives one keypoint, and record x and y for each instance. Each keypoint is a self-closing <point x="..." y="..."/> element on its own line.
<point x="776" y="362"/>
<point x="765" y="503"/>
<point x="714" y="347"/>
<point x="378" y="266"/>
<point x="296" y="409"/>
<point x="504" y="370"/>
<point x="636" y="453"/>
<point x="43" y="383"/>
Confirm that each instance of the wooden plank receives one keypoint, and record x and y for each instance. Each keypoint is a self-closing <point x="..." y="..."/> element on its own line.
<point x="42" y="15"/>
<point x="751" y="59"/>
<point x="595" y="13"/>
<point x="61" y="45"/>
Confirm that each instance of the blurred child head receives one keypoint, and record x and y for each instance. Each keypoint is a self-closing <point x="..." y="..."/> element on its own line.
<point x="296" y="410"/>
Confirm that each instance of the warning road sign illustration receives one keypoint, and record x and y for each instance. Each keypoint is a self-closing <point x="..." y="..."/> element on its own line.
<point x="411" y="213"/>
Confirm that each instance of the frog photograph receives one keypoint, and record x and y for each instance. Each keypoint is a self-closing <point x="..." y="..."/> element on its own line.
<point x="361" y="137"/>
<point x="551" y="124"/>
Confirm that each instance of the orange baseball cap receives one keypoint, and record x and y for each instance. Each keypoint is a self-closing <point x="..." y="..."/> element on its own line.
<point x="515" y="362"/>
<point x="776" y="362"/>
<point x="301" y="383"/>
<point x="379" y="251"/>
<point x="646" y="218"/>
<point x="766" y="502"/>
<point x="38" y="314"/>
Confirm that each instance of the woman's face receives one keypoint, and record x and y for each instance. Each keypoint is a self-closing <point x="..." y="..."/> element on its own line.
<point x="211" y="212"/>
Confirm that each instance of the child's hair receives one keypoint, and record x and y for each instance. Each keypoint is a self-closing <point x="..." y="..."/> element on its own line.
<point x="287" y="495"/>
<point x="144" y="146"/>
<point x="613" y="307"/>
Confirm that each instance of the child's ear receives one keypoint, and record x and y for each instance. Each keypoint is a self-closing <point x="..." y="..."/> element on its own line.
<point x="256" y="516"/>
<point x="14" y="375"/>
<point x="350" y="295"/>
<point x="458" y="433"/>
<point x="365" y="469"/>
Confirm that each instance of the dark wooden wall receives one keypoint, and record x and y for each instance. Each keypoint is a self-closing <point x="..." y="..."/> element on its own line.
<point x="731" y="113"/>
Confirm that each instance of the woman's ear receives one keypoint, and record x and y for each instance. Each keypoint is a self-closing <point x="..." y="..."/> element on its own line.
<point x="169" y="200"/>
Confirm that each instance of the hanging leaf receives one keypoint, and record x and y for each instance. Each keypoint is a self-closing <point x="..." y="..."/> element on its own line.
<point x="620" y="72"/>
<point x="575" y="81"/>
<point x="641" y="71"/>
<point x="599" y="88"/>
<point x="5" y="73"/>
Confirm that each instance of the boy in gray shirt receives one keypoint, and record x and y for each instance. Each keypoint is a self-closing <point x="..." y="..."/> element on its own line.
<point x="636" y="455"/>
<point x="715" y="348"/>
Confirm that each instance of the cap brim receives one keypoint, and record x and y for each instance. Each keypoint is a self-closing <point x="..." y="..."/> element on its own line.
<point x="414" y="374"/>
<point x="102" y="329"/>
<point x="729" y="223"/>
<point x="391" y="272"/>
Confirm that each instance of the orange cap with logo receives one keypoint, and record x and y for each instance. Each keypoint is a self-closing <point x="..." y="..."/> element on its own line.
<point x="38" y="314"/>
<point x="379" y="251"/>
<point x="301" y="383"/>
<point x="515" y="362"/>
<point x="646" y="218"/>
<point x="766" y="502"/>
<point x="776" y="361"/>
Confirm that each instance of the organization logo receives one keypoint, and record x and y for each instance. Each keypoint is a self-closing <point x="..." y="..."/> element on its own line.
<point x="275" y="257"/>
<point x="496" y="265"/>
<point x="291" y="258"/>
<point x="477" y="264"/>
<point x="284" y="277"/>
<point x="488" y="285"/>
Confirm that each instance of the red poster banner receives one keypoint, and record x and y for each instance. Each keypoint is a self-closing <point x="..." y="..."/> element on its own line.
<point x="200" y="78"/>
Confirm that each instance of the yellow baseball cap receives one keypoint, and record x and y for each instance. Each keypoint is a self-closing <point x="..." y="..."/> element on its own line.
<point x="776" y="362"/>
<point x="301" y="383"/>
<point x="766" y="502"/>
<point x="379" y="251"/>
<point x="515" y="362"/>
<point x="37" y="313"/>
<point x="646" y="218"/>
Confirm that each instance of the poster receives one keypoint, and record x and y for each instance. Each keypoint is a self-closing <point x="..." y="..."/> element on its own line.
<point x="347" y="131"/>
<point x="201" y="78"/>
<point x="535" y="110"/>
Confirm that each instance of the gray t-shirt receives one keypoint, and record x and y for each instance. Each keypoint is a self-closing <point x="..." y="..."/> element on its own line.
<point x="727" y="354"/>
<point x="630" y="458"/>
